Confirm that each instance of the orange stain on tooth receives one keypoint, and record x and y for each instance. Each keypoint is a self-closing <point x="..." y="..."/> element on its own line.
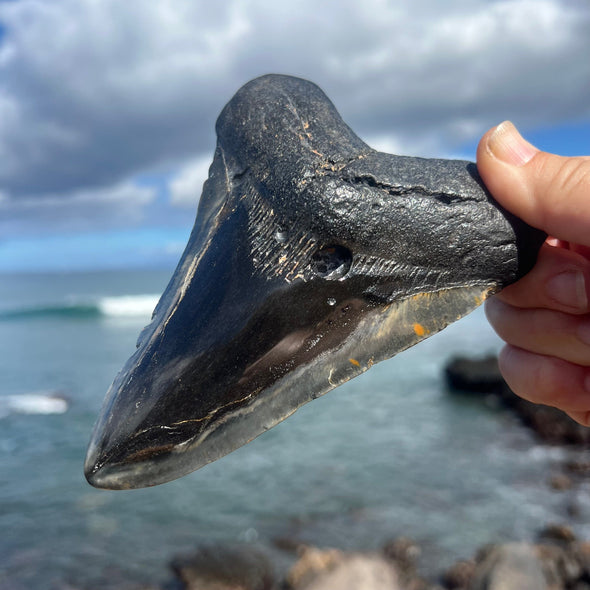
<point x="420" y="330"/>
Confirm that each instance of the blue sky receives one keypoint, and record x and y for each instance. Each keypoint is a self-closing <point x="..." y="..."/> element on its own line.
<point x="107" y="109"/>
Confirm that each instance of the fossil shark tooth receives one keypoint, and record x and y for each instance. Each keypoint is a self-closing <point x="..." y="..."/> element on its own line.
<point x="312" y="257"/>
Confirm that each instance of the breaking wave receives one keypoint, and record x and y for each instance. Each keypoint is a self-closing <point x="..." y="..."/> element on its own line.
<point x="140" y="306"/>
<point x="39" y="402"/>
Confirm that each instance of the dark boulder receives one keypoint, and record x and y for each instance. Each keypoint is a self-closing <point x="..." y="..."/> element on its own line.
<point x="225" y="568"/>
<point x="459" y="575"/>
<point x="482" y="376"/>
<point x="474" y="375"/>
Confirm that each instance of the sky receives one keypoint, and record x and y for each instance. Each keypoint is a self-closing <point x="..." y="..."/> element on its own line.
<point x="107" y="108"/>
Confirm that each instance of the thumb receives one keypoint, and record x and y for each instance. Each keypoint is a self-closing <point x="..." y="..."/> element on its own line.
<point x="549" y="192"/>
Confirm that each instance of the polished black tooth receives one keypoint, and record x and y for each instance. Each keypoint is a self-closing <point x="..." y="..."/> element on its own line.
<point x="312" y="258"/>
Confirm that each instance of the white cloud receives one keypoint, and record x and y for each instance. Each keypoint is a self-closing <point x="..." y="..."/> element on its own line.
<point x="121" y="205"/>
<point x="95" y="92"/>
<point x="185" y="188"/>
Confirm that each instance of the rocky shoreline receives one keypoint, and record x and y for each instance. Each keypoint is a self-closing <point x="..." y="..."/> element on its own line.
<point x="556" y="560"/>
<point x="482" y="378"/>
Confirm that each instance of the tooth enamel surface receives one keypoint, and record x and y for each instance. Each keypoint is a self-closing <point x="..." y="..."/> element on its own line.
<point x="313" y="257"/>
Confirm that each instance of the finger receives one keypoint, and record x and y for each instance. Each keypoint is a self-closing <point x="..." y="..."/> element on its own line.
<point x="542" y="331"/>
<point x="582" y="417"/>
<point x="559" y="280"/>
<point x="547" y="380"/>
<point x="580" y="249"/>
<point x="547" y="191"/>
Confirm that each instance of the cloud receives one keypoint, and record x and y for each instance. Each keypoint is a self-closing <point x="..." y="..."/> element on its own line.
<point x="96" y="93"/>
<point x="106" y="89"/>
<point x="118" y="206"/>
<point x="186" y="186"/>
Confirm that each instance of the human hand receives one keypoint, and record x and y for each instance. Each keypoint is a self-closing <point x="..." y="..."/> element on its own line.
<point x="545" y="316"/>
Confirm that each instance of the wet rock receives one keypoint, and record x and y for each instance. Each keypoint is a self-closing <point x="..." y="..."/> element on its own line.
<point x="578" y="467"/>
<point x="482" y="376"/>
<point x="224" y="568"/>
<point x="332" y="569"/>
<point x="573" y="508"/>
<point x="560" y="482"/>
<point x="550" y="424"/>
<point x="459" y="576"/>
<point x="474" y="375"/>
<point x="313" y="563"/>
<point x="523" y="566"/>
<point x="288" y="544"/>
<point x="560" y="533"/>
<point x="581" y="551"/>
<point x="357" y="572"/>
<point x="514" y="566"/>
<point x="403" y="552"/>
<point x="560" y="565"/>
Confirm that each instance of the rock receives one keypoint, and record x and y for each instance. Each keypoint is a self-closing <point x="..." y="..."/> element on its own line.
<point x="224" y="568"/>
<point x="550" y="424"/>
<point x="459" y="576"/>
<point x="573" y="508"/>
<point x="331" y="569"/>
<point x="514" y="566"/>
<point x="557" y="532"/>
<point x="521" y="566"/>
<point x="582" y="553"/>
<point x="288" y="544"/>
<point x="560" y="482"/>
<point x="474" y="375"/>
<point x="482" y="376"/>
<point x="312" y="563"/>
<point x="560" y="565"/>
<point x="358" y="572"/>
<point x="578" y="467"/>
<point x="403" y="552"/>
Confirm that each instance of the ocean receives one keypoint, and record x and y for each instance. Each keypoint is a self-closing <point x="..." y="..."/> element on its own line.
<point x="389" y="454"/>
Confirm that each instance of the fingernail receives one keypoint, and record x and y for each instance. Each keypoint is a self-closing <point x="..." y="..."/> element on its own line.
<point x="506" y="144"/>
<point x="568" y="288"/>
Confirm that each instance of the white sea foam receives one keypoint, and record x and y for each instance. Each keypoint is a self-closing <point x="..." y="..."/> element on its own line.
<point x="128" y="305"/>
<point x="38" y="402"/>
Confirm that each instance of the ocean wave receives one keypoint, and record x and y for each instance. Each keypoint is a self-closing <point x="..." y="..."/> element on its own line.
<point x="38" y="402"/>
<point x="128" y="305"/>
<point x="117" y="306"/>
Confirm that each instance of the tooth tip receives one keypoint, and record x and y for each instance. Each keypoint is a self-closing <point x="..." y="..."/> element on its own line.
<point x="96" y="470"/>
<point x="91" y="478"/>
<point x="103" y="477"/>
<point x="92" y="472"/>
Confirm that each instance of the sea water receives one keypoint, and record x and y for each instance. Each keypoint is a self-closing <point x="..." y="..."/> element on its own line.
<point x="390" y="453"/>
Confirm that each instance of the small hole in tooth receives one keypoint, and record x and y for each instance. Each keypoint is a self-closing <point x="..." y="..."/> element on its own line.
<point x="331" y="262"/>
<point x="281" y="236"/>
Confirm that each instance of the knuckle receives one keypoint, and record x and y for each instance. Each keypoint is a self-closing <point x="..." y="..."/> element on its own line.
<point x="573" y="176"/>
<point x="545" y="378"/>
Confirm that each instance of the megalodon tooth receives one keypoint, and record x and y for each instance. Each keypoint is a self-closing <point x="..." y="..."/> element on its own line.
<point x="312" y="257"/>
